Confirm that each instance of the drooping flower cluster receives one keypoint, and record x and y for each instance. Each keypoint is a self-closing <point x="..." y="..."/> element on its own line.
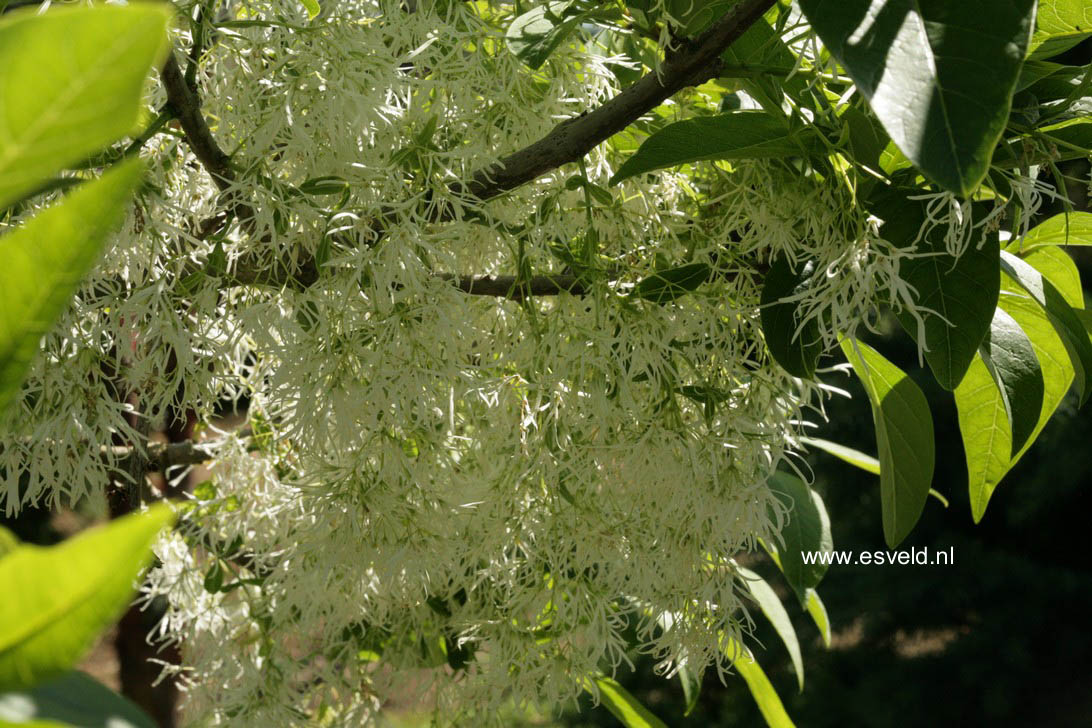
<point x="491" y="495"/>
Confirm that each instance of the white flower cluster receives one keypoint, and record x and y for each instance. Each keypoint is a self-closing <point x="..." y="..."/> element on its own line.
<point x="490" y="498"/>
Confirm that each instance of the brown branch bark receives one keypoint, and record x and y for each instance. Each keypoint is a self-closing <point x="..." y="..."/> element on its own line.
<point x="697" y="61"/>
<point x="187" y="106"/>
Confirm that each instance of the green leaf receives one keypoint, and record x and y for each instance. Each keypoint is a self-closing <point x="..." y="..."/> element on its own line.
<point x="45" y="259"/>
<point x="537" y="33"/>
<point x="1010" y="358"/>
<point x="904" y="438"/>
<point x="766" y="599"/>
<point x="1061" y="316"/>
<point x="983" y="422"/>
<point x="1058" y="268"/>
<point x="794" y="344"/>
<point x="691" y="686"/>
<point x="1060" y="25"/>
<point x="57" y="600"/>
<point x="807" y="530"/>
<point x="624" y="706"/>
<point x="818" y="612"/>
<point x="761" y="47"/>
<point x="855" y="458"/>
<point x="312" y="7"/>
<point x="8" y="541"/>
<point x="70" y="83"/>
<point x="957" y="295"/>
<point x="938" y="74"/>
<point x="736" y="135"/>
<point x="666" y="285"/>
<point x="769" y="704"/>
<point x="74" y="699"/>
<point x="1065" y="228"/>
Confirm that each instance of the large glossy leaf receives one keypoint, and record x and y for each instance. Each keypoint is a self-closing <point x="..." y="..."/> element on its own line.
<point x="1058" y="268"/>
<point x="736" y="135"/>
<point x="1060" y="25"/>
<point x="904" y="438"/>
<point x="957" y="296"/>
<point x="1065" y="228"/>
<point x="767" y="600"/>
<point x="74" y="699"/>
<point x="70" y="83"/>
<point x="41" y="263"/>
<point x="983" y="421"/>
<point x="624" y="706"/>
<point x="807" y="531"/>
<point x="1010" y="358"/>
<point x="794" y="344"/>
<point x="1061" y="315"/>
<point x="57" y="600"/>
<point x="939" y="74"/>
<point x="769" y="704"/>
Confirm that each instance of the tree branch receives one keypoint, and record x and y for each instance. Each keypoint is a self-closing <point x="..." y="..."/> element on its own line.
<point x="187" y="106"/>
<point x="697" y="61"/>
<point x="511" y="287"/>
<point x="159" y="456"/>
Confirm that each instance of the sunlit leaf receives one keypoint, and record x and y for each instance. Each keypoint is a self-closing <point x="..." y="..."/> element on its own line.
<point x="624" y="706"/>
<point x="855" y="458"/>
<point x="71" y="82"/>
<point x="43" y="261"/>
<point x="769" y="703"/>
<point x="939" y="74"/>
<point x="57" y="600"/>
<point x="766" y="599"/>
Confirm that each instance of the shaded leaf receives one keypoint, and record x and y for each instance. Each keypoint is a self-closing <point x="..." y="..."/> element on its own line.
<point x="666" y="285"/>
<point x="904" y="438"/>
<point x="771" y="606"/>
<point x="793" y="344"/>
<point x="70" y="82"/>
<point x="73" y="699"/>
<point x="58" y="599"/>
<point x="807" y="530"/>
<point x="956" y="296"/>
<point x="938" y="74"/>
<point x="691" y="685"/>
<point x="1010" y="358"/>
<point x="736" y="135"/>
<point x="44" y="261"/>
